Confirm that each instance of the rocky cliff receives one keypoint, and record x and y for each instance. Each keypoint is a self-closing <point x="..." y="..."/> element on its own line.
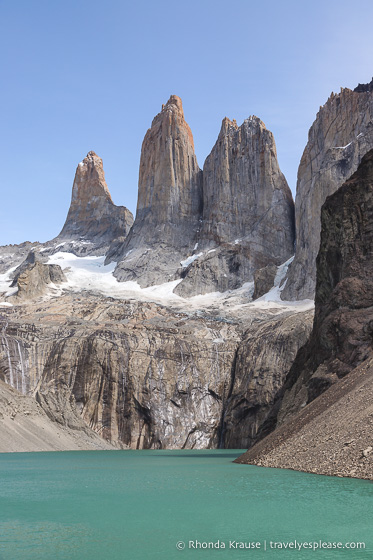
<point x="145" y="376"/>
<point x="341" y="134"/>
<point x="263" y="361"/>
<point x="138" y="374"/>
<point x="93" y="217"/>
<point x="342" y="331"/>
<point x="26" y="427"/>
<point x="169" y="203"/>
<point x="333" y="371"/>
<point x="248" y="211"/>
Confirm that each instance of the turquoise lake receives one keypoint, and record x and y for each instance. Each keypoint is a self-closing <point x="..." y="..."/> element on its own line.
<point x="115" y="505"/>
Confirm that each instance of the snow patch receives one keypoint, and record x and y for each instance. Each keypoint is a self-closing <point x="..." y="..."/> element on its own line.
<point x="274" y="294"/>
<point x="342" y="147"/>
<point x="190" y="259"/>
<point x="90" y="273"/>
<point x="5" y="282"/>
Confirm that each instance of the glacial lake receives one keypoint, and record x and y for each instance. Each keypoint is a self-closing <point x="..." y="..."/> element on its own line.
<point x="143" y="505"/>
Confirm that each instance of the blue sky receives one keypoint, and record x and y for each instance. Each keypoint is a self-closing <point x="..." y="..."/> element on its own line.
<point x="80" y="75"/>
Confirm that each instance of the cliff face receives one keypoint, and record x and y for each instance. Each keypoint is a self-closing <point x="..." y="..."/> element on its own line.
<point x="342" y="332"/>
<point x="144" y="376"/>
<point x="26" y="427"/>
<point x="325" y="413"/>
<point x="169" y="202"/>
<point x="138" y="374"/>
<point x="92" y="214"/>
<point x="341" y="134"/>
<point x="263" y="360"/>
<point x="248" y="211"/>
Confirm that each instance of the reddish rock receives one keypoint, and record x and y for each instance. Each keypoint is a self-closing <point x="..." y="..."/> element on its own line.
<point x="92" y="214"/>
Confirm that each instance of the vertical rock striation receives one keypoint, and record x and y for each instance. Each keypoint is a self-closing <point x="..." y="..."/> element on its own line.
<point x="325" y="418"/>
<point x="263" y="361"/>
<point x="92" y="214"/>
<point x="341" y="134"/>
<point x="248" y="211"/>
<point x="341" y="338"/>
<point x="169" y="202"/>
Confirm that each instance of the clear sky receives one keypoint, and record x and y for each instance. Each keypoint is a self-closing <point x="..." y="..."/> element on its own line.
<point x="80" y="75"/>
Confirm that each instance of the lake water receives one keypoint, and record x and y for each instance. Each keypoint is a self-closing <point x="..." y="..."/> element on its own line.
<point x="137" y="505"/>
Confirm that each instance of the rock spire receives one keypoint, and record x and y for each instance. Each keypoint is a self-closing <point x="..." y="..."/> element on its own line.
<point x="169" y="201"/>
<point x="92" y="214"/>
<point x="248" y="210"/>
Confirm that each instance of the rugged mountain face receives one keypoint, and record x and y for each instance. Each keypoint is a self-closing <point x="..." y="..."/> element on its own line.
<point x="93" y="217"/>
<point x="342" y="331"/>
<point x="248" y="211"/>
<point x="35" y="279"/>
<point x="263" y="360"/>
<point x="341" y="134"/>
<point x="169" y="202"/>
<point x="332" y="435"/>
<point x="26" y="427"/>
<point x="138" y="374"/>
<point x="326" y="412"/>
<point x="145" y="376"/>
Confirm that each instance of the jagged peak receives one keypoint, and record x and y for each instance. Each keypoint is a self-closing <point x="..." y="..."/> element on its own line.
<point x="227" y="123"/>
<point x="91" y="157"/>
<point x="255" y="121"/>
<point x="174" y="101"/>
<point x="232" y="126"/>
<point x="173" y="105"/>
<point x="91" y="154"/>
<point x="172" y="111"/>
<point x="90" y="179"/>
<point x="364" y="88"/>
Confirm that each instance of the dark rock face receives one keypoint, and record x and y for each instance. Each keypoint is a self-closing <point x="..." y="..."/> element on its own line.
<point x="248" y="211"/>
<point x="338" y="139"/>
<point x="362" y="88"/>
<point x="264" y="358"/>
<point x="169" y="203"/>
<point x="92" y="215"/>
<point x="343" y="327"/>
<point x="264" y="280"/>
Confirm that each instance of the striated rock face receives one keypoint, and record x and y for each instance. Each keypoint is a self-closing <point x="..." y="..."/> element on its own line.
<point x="263" y="361"/>
<point x="248" y="211"/>
<point x="138" y="374"/>
<point x="142" y="375"/>
<point x="92" y="214"/>
<point x="169" y="202"/>
<point x="341" y="134"/>
<point x="325" y="415"/>
<point x="26" y="427"/>
<point x="342" y="332"/>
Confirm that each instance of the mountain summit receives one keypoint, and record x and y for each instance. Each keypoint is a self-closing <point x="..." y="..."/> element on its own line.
<point x="169" y="201"/>
<point x="248" y="211"/>
<point x="92" y="214"/>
